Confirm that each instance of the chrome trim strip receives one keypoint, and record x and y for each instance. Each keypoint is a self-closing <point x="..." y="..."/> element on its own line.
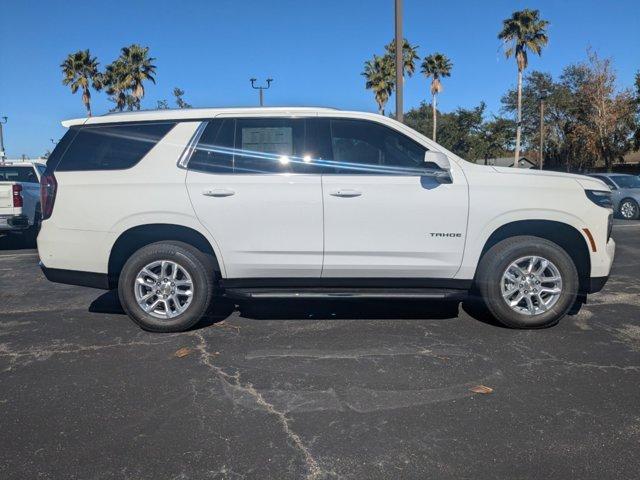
<point x="183" y="161"/>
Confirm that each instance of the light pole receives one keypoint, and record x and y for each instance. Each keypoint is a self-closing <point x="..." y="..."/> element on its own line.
<point x="541" y="162"/>
<point x="3" y="120"/>
<point x="399" y="60"/>
<point x="261" y="88"/>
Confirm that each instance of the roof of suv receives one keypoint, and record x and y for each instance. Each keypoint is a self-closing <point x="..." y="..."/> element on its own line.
<point x="189" y="113"/>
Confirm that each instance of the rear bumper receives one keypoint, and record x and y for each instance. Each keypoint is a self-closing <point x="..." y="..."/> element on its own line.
<point x="75" y="277"/>
<point x="13" y="222"/>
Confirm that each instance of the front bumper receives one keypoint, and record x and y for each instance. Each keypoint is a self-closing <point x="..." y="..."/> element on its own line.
<point x="596" y="284"/>
<point x="13" y="222"/>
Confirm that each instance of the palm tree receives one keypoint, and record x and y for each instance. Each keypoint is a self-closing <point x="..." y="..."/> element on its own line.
<point x="409" y="56"/>
<point x="526" y="32"/>
<point x="138" y="68"/>
<point x="80" y="71"/>
<point x="436" y="66"/>
<point x="380" y="75"/>
<point x="115" y="82"/>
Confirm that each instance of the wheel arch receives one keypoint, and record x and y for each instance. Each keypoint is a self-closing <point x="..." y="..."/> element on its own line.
<point x="137" y="237"/>
<point x="562" y="234"/>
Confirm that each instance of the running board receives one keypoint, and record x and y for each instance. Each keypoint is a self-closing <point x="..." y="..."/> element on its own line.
<point x="335" y="293"/>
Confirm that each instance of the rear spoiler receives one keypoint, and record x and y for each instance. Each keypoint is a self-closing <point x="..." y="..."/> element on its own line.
<point x="74" y="121"/>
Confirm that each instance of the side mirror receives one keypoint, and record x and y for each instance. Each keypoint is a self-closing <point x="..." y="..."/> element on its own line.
<point x="438" y="158"/>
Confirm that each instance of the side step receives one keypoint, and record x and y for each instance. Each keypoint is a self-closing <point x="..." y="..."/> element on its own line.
<point x="335" y="293"/>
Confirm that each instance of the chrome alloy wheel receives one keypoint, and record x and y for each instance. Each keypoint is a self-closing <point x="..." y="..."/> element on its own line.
<point x="163" y="289"/>
<point x="628" y="209"/>
<point x="531" y="285"/>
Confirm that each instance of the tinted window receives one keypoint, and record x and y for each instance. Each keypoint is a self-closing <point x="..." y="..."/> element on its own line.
<point x="362" y="147"/>
<point x="18" y="174"/>
<point x="627" y="181"/>
<point x="111" y="147"/>
<point x="214" y="152"/>
<point x="61" y="148"/>
<point x="268" y="145"/>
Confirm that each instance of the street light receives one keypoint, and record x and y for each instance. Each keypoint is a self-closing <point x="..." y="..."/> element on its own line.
<point x="542" y="99"/>
<point x="261" y="88"/>
<point x="3" y="120"/>
<point x="399" y="60"/>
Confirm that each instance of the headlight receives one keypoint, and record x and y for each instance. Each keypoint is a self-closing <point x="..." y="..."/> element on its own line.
<point x="600" y="198"/>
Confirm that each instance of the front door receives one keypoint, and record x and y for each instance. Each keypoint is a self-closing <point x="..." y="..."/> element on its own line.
<point x="383" y="217"/>
<point x="265" y="217"/>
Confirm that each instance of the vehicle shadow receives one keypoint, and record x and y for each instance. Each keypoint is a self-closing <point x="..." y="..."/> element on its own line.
<point x="17" y="241"/>
<point x="334" y="309"/>
<point x="109" y="303"/>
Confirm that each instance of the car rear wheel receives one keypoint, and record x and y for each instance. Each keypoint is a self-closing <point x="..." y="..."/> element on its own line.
<point x="629" y="209"/>
<point x="527" y="282"/>
<point x="167" y="286"/>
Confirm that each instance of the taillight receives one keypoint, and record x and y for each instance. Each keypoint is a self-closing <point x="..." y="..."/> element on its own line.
<point x="17" y="195"/>
<point x="48" y="188"/>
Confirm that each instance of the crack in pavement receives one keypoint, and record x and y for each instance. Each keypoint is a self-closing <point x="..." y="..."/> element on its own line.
<point x="65" y="348"/>
<point x="233" y="381"/>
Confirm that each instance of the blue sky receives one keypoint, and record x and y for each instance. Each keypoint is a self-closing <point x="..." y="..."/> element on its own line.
<point x="313" y="49"/>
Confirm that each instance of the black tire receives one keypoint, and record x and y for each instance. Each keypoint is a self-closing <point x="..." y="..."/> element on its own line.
<point x="632" y="207"/>
<point x="198" y="265"/>
<point x="495" y="262"/>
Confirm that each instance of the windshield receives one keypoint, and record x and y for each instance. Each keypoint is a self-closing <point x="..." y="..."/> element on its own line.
<point x="626" y="181"/>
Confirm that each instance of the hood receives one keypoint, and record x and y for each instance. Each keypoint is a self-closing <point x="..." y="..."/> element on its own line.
<point x="588" y="183"/>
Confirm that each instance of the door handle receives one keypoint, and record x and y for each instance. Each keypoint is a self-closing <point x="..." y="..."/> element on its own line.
<point x="218" y="192"/>
<point x="346" y="193"/>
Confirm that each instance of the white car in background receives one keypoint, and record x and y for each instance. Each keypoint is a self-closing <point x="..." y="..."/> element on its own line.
<point x="20" y="196"/>
<point x="175" y="208"/>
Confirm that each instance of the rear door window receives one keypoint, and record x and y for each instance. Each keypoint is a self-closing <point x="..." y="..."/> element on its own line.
<point x="214" y="152"/>
<point x="111" y="147"/>
<point x="268" y="145"/>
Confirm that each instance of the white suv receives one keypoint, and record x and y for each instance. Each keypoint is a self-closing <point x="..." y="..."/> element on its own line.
<point x="174" y="208"/>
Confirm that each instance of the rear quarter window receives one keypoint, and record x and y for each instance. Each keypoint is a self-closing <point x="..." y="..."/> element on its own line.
<point x="111" y="147"/>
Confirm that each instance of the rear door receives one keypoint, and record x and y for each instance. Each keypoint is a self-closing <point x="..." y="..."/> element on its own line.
<point x="385" y="216"/>
<point x="250" y="188"/>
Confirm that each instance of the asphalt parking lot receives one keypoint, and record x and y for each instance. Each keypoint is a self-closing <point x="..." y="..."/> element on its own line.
<point x="315" y="390"/>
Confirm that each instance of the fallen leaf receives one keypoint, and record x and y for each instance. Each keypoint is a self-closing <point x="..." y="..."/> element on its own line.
<point x="481" y="389"/>
<point x="183" y="352"/>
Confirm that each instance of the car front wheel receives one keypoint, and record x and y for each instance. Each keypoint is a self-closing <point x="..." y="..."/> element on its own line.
<point x="527" y="282"/>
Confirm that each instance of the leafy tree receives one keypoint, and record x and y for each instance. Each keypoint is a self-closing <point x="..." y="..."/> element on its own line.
<point x="178" y="93"/>
<point x="525" y="31"/>
<point x="436" y="66"/>
<point x="605" y="118"/>
<point x="495" y="139"/>
<point x="464" y="131"/>
<point x="636" y="136"/>
<point x="380" y="77"/>
<point x="537" y="86"/>
<point x="80" y="71"/>
<point x="162" y="105"/>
